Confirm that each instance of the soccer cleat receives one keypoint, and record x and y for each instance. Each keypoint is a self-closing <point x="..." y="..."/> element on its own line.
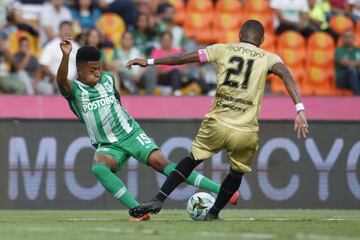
<point x="234" y="198"/>
<point x="212" y="217"/>
<point x="146" y="217"/>
<point x="140" y="210"/>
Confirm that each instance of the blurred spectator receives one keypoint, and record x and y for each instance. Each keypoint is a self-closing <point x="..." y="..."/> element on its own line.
<point x="166" y="13"/>
<point x="347" y="64"/>
<point x="50" y="60"/>
<point x="26" y="65"/>
<point x="15" y="22"/>
<point x="9" y="81"/>
<point x="147" y="7"/>
<point x="124" y="8"/>
<point x="292" y="15"/>
<point x="129" y="77"/>
<point x="165" y="75"/>
<point x="94" y="38"/>
<point x="52" y="14"/>
<point x="3" y="6"/>
<point x="32" y="1"/>
<point x="339" y="7"/>
<point x="354" y="6"/>
<point x="318" y="19"/>
<point x="143" y="35"/>
<point x="85" y="14"/>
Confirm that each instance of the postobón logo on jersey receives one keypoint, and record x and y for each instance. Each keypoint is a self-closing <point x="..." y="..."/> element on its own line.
<point x="91" y="106"/>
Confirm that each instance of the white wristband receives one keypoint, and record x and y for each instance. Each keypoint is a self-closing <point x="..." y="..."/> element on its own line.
<point x="299" y="107"/>
<point x="150" y="61"/>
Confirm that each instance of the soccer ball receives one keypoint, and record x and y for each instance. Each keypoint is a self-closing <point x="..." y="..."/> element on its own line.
<point x="199" y="204"/>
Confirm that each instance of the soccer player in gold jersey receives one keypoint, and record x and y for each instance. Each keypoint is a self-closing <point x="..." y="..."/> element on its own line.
<point x="231" y="124"/>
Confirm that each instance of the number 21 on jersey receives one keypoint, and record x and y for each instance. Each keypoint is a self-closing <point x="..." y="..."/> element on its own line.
<point x="237" y="71"/>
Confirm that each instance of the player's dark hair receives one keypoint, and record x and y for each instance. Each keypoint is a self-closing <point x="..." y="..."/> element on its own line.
<point x="87" y="53"/>
<point x="252" y="30"/>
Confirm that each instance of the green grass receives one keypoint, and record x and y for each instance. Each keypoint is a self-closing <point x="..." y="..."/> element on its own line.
<point x="175" y="224"/>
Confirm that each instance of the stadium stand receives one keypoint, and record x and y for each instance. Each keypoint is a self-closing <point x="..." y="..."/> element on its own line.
<point x="112" y="26"/>
<point x="208" y="22"/>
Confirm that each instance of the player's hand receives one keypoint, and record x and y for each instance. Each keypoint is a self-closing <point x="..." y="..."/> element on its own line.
<point x="66" y="45"/>
<point x="137" y="62"/>
<point x="301" y="125"/>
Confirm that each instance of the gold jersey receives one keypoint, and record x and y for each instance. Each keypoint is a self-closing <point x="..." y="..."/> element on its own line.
<point x="242" y="69"/>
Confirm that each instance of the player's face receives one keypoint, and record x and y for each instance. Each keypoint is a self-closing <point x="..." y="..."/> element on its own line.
<point x="89" y="73"/>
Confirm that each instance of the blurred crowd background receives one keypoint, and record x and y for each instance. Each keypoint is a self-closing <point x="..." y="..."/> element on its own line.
<point x="317" y="39"/>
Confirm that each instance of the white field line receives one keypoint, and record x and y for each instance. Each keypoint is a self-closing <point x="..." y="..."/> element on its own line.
<point x="269" y="219"/>
<point x="250" y="235"/>
<point x="42" y="229"/>
<point x="90" y="219"/>
<point x="127" y="231"/>
<point x="227" y="219"/>
<point x="312" y="236"/>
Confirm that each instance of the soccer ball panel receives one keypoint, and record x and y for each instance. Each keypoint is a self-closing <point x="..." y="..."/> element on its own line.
<point x="199" y="204"/>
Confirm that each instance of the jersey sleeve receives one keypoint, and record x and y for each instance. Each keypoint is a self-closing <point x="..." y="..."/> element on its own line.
<point x="211" y="53"/>
<point x="71" y="95"/>
<point x="273" y="59"/>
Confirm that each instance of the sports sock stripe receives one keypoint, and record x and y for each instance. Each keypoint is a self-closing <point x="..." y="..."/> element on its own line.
<point x="180" y="174"/>
<point x="198" y="180"/>
<point x="121" y="192"/>
<point x="163" y="193"/>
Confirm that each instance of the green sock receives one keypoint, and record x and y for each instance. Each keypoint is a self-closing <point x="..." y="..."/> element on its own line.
<point x="196" y="179"/>
<point x="113" y="185"/>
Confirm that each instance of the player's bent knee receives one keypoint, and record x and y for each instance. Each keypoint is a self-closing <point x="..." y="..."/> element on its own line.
<point x="157" y="161"/>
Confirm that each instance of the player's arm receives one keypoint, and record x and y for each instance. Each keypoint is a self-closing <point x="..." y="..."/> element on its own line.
<point x="301" y="125"/>
<point x="62" y="73"/>
<point x="172" y="59"/>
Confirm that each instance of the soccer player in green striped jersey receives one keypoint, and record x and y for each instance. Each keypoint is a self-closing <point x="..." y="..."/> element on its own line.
<point x="95" y="101"/>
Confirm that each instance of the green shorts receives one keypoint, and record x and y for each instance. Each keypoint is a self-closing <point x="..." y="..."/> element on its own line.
<point x="137" y="145"/>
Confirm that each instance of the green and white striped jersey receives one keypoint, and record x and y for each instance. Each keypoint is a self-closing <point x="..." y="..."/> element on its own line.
<point x="99" y="108"/>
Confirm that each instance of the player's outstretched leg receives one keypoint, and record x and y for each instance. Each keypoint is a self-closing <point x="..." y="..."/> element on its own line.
<point x="175" y="178"/>
<point x="228" y="187"/>
<point x="200" y="181"/>
<point x="116" y="187"/>
<point x="158" y="162"/>
<point x="113" y="185"/>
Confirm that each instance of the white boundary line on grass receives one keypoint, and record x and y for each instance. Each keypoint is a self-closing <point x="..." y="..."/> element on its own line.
<point x="313" y="236"/>
<point x="244" y="235"/>
<point x="90" y="219"/>
<point x="226" y="220"/>
<point x="270" y="219"/>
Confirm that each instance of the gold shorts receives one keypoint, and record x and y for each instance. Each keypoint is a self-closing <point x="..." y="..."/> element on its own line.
<point x="214" y="137"/>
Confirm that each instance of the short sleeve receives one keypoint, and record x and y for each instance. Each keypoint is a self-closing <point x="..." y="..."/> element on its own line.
<point x="273" y="59"/>
<point x="70" y="97"/>
<point x="214" y="52"/>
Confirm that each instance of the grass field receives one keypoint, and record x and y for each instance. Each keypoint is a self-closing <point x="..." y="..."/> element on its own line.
<point x="175" y="224"/>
